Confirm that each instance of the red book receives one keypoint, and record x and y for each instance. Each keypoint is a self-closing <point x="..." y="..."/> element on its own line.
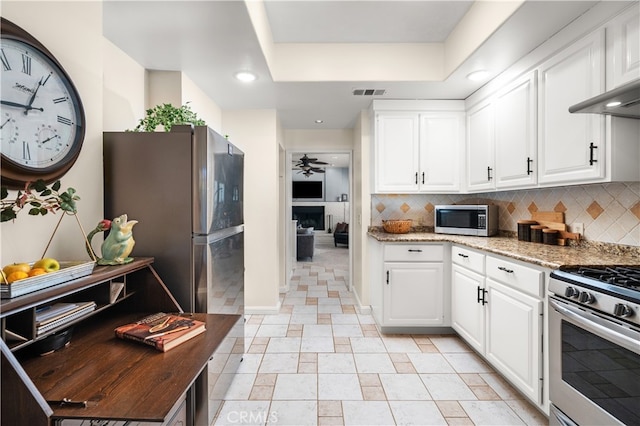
<point x="162" y="331"/>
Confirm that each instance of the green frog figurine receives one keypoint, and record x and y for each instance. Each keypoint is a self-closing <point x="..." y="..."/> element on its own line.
<point x="118" y="244"/>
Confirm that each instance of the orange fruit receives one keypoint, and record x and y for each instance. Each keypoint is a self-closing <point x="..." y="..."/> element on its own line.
<point x="17" y="275"/>
<point x="36" y="271"/>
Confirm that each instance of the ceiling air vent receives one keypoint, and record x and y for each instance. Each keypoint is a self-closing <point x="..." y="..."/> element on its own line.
<point x="368" y="92"/>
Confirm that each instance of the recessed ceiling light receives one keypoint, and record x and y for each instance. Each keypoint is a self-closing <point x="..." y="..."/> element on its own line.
<point x="319" y="121"/>
<point x="245" y="76"/>
<point x="613" y="104"/>
<point x="478" y="75"/>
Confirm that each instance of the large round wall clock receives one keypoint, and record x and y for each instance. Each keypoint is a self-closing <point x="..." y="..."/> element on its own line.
<point x="41" y="115"/>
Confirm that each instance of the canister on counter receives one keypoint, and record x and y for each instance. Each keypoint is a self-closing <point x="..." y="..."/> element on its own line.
<point x="536" y="233"/>
<point x="524" y="229"/>
<point x="550" y="236"/>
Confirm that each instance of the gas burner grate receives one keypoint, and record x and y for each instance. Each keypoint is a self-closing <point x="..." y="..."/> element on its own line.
<point x="620" y="275"/>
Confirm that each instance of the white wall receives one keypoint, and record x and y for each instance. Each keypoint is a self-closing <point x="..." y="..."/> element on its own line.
<point x="322" y="140"/>
<point x="361" y="202"/>
<point x="124" y="90"/>
<point x="259" y="141"/>
<point x="72" y="31"/>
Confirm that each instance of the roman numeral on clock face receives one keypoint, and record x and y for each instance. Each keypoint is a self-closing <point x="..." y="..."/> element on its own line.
<point x="26" y="64"/>
<point x="60" y="100"/>
<point x="64" y="120"/>
<point x="26" y="153"/>
<point x="5" y="61"/>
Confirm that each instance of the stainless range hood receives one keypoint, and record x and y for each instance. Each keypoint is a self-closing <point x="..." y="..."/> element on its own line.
<point x="623" y="101"/>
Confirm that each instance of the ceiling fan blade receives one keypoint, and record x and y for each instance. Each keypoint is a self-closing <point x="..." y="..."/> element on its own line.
<point x="319" y="162"/>
<point x="317" y="170"/>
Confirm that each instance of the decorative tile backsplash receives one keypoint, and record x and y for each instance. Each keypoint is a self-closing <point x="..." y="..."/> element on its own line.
<point x="610" y="212"/>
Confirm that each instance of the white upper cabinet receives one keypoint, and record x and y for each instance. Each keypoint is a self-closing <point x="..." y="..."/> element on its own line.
<point x="480" y="145"/>
<point x="418" y="146"/>
<point x="441" y="141"/>
<point x="397" y="152"/>
<point x="623" y="48"/>
<point x="571" y="147"/>
<point x="515" y="134"/>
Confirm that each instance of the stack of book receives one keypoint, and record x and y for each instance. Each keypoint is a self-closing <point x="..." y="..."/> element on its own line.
<point x="162" y="331"/>
<point x="53" y="316"/>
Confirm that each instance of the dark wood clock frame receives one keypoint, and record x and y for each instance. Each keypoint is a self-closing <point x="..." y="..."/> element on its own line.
<point x="15" y="176"/>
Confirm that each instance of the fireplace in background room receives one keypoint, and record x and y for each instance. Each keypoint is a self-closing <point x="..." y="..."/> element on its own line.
<point x="309" y="216"/>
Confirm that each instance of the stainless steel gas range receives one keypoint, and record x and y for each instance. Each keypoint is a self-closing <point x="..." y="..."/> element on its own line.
<point x="594" y="346"/>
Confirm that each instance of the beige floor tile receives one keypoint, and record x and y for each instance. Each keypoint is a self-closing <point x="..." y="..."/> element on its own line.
<point x="459" y="421"/>
<point x="308" y="357"/>
<point x="330" y="421"/>
<point x="343" y="348"/>
<point x="399" y="357"/>
<point x="294" y="333"/>
<point x="428" y="348"/>
<point x="373" y="393"/>
<point x="473" y="379"/>
<point x="370" y="333"/>
<point x="330" y="408"/>
<point x="451" y="409"/>
<point x="266" y="379"/>
<point x="404" y="367"/>
<point x="369" y="379"/>
<point x="257" y="349"/>
<point x="485" y="393"/>
<point x="307" y="367"/>
<point x="261" y="393"/>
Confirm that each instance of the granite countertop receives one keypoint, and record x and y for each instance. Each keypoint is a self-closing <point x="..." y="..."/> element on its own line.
<point x="587" y="253"/>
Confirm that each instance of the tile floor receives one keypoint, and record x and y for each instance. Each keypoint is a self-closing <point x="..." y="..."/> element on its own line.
<point x="320" y="362"/>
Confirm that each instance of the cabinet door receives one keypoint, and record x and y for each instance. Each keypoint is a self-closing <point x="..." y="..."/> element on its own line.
<point x="441" y="138"/>
<point x="397" y="152"/>
<point x="413" y="294"/>
<point x="514" y="334"/>
<point x="623" y="64"/>
<point x="515" y="134"/>
<point x="564" y="151"/>
<point x="467" y="314"/>
<point x="480" y="145"/>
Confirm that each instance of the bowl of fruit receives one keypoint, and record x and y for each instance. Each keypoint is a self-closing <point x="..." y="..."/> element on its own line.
<point x="17" y="279"/>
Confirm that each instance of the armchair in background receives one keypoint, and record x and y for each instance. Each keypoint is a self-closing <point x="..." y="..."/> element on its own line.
<point x="341" y="234"/>
<point x="305" y="243"/>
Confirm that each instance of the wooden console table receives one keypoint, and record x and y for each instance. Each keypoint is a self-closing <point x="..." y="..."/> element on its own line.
<point x="119" y="379"/>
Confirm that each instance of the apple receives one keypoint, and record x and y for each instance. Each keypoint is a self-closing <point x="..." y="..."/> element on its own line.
<point x="14" y="267"/>
<point x="48" y="264"/>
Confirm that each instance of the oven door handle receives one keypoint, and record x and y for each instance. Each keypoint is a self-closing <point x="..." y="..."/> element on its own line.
<point x="604" y="328"/>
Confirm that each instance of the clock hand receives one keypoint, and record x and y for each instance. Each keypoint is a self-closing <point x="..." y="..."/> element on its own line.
<point x="33" y="96"/>
<point x="48" y="139"/>
<point x="15" y="104"/>
<point x="3" y="124"/>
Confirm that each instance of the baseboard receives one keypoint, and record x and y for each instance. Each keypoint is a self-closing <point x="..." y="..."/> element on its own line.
<point x="362" y="309"/>
<point x="263" y="310"/>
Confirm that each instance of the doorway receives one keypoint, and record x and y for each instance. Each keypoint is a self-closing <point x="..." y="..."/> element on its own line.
<point x="320" y="181"/>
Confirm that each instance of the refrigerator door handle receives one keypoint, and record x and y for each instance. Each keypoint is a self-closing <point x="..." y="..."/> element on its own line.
<point x="217" y="235"/>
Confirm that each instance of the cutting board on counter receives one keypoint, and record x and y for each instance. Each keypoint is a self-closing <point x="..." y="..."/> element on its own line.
<point x="552" y="220"/>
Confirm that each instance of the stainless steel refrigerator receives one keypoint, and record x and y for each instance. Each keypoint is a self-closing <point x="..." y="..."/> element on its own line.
<point x="185" y="188"/>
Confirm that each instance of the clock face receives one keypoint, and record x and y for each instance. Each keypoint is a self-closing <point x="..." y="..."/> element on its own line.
<point x="41" y="117"/>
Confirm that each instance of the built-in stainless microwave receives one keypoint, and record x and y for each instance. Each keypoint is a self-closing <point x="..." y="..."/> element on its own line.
<point x="478" y="220"/>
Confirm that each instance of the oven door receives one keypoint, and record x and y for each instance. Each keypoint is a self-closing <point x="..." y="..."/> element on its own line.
<point x="594" y="367"/>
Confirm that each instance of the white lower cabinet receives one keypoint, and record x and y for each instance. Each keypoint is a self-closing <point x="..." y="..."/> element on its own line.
<point x="413" y="294"/>
<point x="407" y="285"/>
<point x="514" y="330"/>
<point x="499" y="314"/>
<point x="467" y="313"/>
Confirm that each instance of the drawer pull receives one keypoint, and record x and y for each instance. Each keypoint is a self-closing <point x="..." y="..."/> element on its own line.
<point x="415" y="250"/>
<point x="480" y="295"/>
<point x="463" y="255"/>
<point x="508" y="271"/>
<point x="387" y="277"/>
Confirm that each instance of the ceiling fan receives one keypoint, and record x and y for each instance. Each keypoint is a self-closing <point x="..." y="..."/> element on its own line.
<point x="307" y="165"/>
